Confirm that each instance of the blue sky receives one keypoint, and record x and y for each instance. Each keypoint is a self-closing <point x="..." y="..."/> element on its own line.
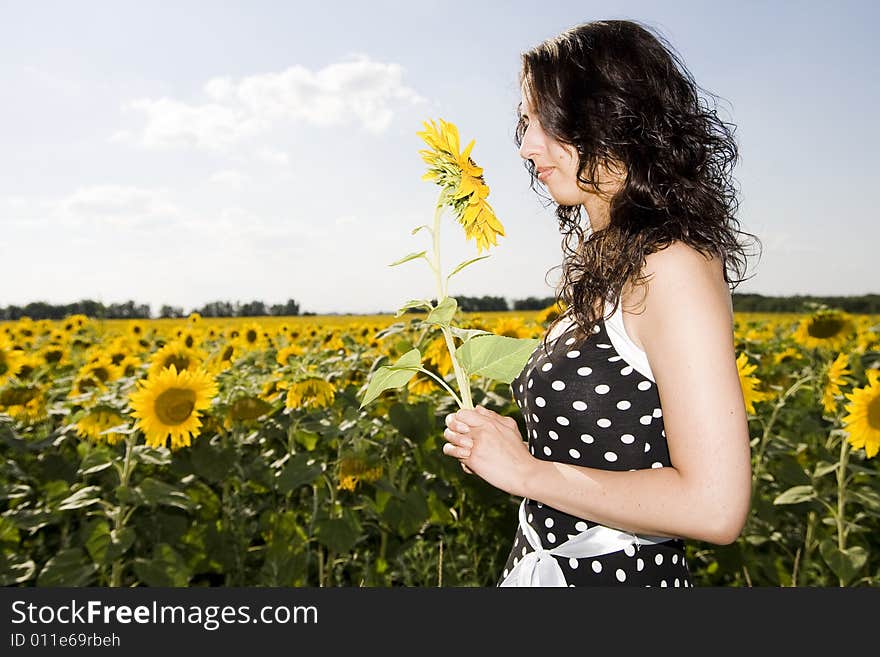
<point x="185" y="152"/>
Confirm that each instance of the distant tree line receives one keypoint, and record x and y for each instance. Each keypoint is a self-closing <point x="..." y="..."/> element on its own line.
<point x="129" y="310"/>
<point x="866" y="303"/>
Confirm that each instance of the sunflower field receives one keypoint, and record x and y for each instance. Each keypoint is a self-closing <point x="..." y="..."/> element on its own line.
<point x="201" y="452"/>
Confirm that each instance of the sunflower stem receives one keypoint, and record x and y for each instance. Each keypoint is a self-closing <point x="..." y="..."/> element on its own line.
<point x="765" y="437"/>
<point x="841" y="499"/>
<point x="460" y="376"/>
<point x="121" y="516"/>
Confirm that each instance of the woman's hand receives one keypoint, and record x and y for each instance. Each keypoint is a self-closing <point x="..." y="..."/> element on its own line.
<point x="491" y="446"/>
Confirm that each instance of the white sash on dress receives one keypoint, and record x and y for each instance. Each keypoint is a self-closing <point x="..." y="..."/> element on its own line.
<point x="540" y="568"/>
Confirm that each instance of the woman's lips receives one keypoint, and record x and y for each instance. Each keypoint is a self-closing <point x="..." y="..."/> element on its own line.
<point x="544" y="173"/>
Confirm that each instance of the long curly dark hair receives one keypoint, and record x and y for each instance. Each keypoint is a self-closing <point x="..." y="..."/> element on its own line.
<point x="619" y="93"/>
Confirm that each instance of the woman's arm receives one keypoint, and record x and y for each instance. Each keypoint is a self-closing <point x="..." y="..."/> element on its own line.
<point x="686" y="330"/>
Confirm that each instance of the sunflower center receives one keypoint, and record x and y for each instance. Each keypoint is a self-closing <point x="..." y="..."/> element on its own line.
<point x="189" y="341"/>
<point x="175" y="405"/>
<point x="51" y="356"/>
<point x="4" y="367"/>
<point x="18" y="396"/>
<point x="180" y="362"/>
<point x="826" y="327"/>
<point x="101" y="373"/>
<point x="874" y="413"/>
<point x="227" y="353"/>
<point x="251" y="336"/>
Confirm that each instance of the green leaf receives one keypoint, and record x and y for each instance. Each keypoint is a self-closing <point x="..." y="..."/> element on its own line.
<point x="824" y="467"/>
<point x="98" y="459"/>
<point x="8" y="532"/>
<point x="408" y="514"/>
<point x="211" y="462"/>
<point x="418" y="228"/>
<point x="392" y="376"/>
<point x="466" y="334"/>
<point x="796" y="495"/>
<point x="166" y="568"/>
<point x="845" y="563"/>
<point x="443" y="313"/>
<point x="464" y="264"/>
<point x="413" y="303"/>
<point x="67" y="568"/>
<point x="308" y="439"/>
<point x="338" y="534"/>
<point x="497" y="357"/>
<point x="157" y="492"/>
<point x="300" y="469"/>
<point x="82" y="498"/>
<point x="411" y="256"/>
<point x="15" y="569"/>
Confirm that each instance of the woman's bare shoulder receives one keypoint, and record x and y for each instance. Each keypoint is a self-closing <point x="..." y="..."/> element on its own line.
<point x="679" y="282"/>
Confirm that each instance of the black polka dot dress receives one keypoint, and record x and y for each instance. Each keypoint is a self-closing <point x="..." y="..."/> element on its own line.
<point x="594" y="403"/>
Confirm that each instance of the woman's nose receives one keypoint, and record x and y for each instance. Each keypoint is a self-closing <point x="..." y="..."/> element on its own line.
<point x="529" y="145"/>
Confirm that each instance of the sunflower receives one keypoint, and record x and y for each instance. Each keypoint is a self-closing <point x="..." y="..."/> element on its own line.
<point x="177" y="354"/>
<point x="311" y="392"/>
<point x="862" y="420"/>
<point x="98" y="420"/>
<point x="252" y="336"/>
<point x="787" y="355"/>
<point x="833" y="380"/>
<point x="54" y="355"/>
<point x="190" y="337"/>
<point x="245" y="410"/>
<point x="825" y="329"/>
<point x="421" y="386"/>
<point x="511" y="327"/>
<point x="100" y="367"/>
<point x="551" y="312"/>
<point x="332" y="342"/>
<point x="287" y="352"/>
<point x="167" y="405"/>
<point x="26" y="403"/>
<point x="9" y="360"/>
<point x="129" y="366"/>
<point x="749" y="384"/>
<point x="462" y="179"/>
<point x="353" y="470"/>
<point x="437" y="354"/>
<point x="28" y="363"/>
<point x="136" y="329"/>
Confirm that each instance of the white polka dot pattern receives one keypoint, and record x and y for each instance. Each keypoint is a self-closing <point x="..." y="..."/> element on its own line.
<point x="605" y="414"/>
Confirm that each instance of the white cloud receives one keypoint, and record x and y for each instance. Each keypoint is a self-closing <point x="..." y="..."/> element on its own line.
<point x="115" y="205"/>
<point x="359" y="90"/>
<point x="229" y="178"/>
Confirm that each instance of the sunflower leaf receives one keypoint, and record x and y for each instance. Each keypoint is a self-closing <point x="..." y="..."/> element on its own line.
<point x="464" y="264"/>
<point x="392" y="376"/>
<point x="796" y="495"/>
<point x="466" y="334"/>
<point x="414" y="303"/>
<point x="845" y="563"/>
<point x="497" y="357"/>
<point x="443" y="312"/>
<point x="411" y="256"/>
<point x="418" y="228"/>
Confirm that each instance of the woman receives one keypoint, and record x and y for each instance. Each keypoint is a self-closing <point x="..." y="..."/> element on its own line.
<point x="636" y="429"/>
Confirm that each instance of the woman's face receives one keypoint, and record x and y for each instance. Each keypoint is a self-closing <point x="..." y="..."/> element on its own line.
<point x="557" y="165"/>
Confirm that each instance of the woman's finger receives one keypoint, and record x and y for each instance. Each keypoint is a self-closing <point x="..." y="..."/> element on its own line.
<point x="458" y="452"/>
<point x="458" y="439"/>
<point x="455" y="424"/>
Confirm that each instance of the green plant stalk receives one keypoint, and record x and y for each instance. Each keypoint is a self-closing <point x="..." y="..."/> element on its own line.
<point x="460" y="375"/>
<point x="841" y="498"/>
<point x="765" y="437"/>
<point x="120" y="516"/>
